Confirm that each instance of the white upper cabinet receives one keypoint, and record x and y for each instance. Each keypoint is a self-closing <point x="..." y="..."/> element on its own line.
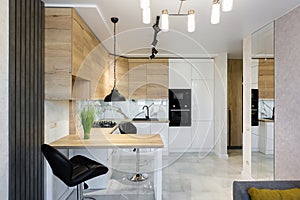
<point x="202" y="99"/>
<point x="202" y="69"/>
<point x="180" y="74"/>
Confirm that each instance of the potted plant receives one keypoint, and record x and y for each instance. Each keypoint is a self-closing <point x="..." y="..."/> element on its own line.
<point x="87" y="119"/>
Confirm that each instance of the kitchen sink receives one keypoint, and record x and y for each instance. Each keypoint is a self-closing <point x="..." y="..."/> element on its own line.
<point x="144" y="119"/>
<point x="270" y="118"/>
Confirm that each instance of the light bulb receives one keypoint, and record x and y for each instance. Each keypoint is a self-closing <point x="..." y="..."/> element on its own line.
<point x="227" y="5"/>
<point x="144" y="4"/>
<point x="191" y="21"/>
<point x="146" y="16"/>
<point x="165" y="21"/>
<point x="215" y="13"/>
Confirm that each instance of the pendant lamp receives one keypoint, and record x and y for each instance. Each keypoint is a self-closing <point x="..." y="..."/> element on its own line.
<point x="114" y="94"/>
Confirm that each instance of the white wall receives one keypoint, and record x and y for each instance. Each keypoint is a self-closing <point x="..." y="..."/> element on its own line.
<point x="56" y="126"/>
<point x="220" y="105"/>
<point x="247" y="107"/>
<point x="4" y="153"/>
<point x="287" y="96"/>
<point x="56" y="120"/>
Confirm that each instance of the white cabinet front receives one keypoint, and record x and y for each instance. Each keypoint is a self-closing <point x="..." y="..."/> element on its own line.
<point x="202" y="99"/>
<point x="203" y="136"/>
<point x="179" y="139"/>
<point x="180" y="74"/>
<point x="203" y="70"/>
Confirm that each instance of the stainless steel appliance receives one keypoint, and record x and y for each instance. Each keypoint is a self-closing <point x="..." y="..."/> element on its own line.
<point x="180" y="107"/>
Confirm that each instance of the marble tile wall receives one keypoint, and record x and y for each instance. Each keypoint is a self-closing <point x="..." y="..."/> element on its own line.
<point x="127" y="109"/>
<point x="4" y="98"/>
<point x="287" y="96"/>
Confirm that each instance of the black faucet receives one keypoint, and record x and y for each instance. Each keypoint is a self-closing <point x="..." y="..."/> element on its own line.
<point x="147" y="115"/>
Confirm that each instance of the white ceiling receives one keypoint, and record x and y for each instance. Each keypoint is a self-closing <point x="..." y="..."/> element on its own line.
<point x="208" y="40"/>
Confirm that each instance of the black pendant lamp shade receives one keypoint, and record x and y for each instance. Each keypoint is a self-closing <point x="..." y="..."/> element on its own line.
<point x="114" y="94"/>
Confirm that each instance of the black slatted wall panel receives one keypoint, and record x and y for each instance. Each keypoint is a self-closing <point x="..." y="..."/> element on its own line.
<point x="26" y="99"/>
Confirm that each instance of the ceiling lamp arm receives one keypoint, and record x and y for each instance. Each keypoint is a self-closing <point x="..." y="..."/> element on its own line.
<point x="115" y="20"/>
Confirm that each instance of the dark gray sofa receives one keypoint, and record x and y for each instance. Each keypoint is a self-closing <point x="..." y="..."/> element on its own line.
<point x="240" y="188"/>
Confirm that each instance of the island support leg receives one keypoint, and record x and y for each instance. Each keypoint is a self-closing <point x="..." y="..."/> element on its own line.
<point x="158" y="174"/>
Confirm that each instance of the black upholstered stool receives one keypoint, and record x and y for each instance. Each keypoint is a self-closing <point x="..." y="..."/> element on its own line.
<point x="74" y="171"/>
<point x="129" y="128"/>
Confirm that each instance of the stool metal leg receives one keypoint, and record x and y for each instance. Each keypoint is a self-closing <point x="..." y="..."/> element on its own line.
<point x="80" y="193"/>
<point x="138" y="176"/>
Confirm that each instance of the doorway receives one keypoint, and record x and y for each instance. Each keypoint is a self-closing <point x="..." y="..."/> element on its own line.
<point x="235" y="104"/>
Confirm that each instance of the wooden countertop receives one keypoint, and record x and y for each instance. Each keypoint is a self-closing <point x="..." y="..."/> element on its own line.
<point x="141" y="121"/>
<point x="102" y="138"/>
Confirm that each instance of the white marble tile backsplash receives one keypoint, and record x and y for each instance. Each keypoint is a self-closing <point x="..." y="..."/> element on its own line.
<point x="127" y="109"/>
<point x="265" y="108"/>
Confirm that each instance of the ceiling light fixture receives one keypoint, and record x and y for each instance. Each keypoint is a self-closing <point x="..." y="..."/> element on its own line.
<point x="227" y="5"/>
<point x="114" y="94"/>
<point x="146" y="12"/>
<point x="165" y="21"/>
<point x="191" y="19"/>
<point x="215" y="12"/>
<point x="146" y="16"/>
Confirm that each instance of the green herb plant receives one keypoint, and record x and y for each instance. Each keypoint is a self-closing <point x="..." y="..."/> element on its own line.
<point x="87" y="119"/>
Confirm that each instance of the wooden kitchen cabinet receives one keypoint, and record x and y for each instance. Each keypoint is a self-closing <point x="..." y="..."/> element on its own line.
<point x="148" y="79"/>
<point x="266" y="79"/>
<point x="74" y="58"/>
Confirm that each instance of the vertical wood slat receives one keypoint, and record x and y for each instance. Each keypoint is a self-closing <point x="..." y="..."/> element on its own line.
<point x="12" y="91"/>
<point x="26" y="98"/>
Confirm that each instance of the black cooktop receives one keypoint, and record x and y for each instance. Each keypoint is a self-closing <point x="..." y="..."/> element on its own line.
<point x="104" y="124"/>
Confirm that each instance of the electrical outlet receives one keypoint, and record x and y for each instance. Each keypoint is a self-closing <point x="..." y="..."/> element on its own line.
<point x="53" y="125"/>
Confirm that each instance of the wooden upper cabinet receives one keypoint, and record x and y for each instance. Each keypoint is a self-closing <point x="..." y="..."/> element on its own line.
<point x="148" y="79"/>
<point x="58" y="50"/>
<point x="74" y="58"/>
<point x="266" y="79"/>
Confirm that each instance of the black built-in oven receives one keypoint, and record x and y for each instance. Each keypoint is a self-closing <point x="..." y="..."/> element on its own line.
<point x="180" y="107"/>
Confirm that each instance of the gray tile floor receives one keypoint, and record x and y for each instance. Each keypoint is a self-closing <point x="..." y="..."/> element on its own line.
<point x="188" y="176"/>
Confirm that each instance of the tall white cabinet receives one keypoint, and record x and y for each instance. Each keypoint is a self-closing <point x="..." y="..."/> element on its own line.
<point x="197" y="75"/>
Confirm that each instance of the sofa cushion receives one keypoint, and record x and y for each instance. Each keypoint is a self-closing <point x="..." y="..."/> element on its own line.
<point x="240" y="188"/>
<point x="267" y="194"/>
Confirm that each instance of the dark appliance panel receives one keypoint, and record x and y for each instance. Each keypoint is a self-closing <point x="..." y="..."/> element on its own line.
<point x="180" y="98"/>
<point x="180" y="107"/>
<point x="254" y="107"/>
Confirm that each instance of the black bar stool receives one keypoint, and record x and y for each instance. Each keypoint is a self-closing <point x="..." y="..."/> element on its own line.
<point x="129" y="128"/>
<point x="74" y="171"/>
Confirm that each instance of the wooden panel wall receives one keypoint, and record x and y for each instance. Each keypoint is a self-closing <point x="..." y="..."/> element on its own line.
<point x="235" y="103"/>
<point x="148" y="79"/>
<point x="26" y="97"/>
<point x="266" y="79"/>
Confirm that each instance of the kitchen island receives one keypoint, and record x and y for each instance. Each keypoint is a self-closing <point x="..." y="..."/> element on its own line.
<point x="102" y="138"/>
<point x="266" y="136"/>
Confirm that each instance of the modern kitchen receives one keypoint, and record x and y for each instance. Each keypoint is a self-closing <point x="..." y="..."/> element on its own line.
<point x="151" y="104"/>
